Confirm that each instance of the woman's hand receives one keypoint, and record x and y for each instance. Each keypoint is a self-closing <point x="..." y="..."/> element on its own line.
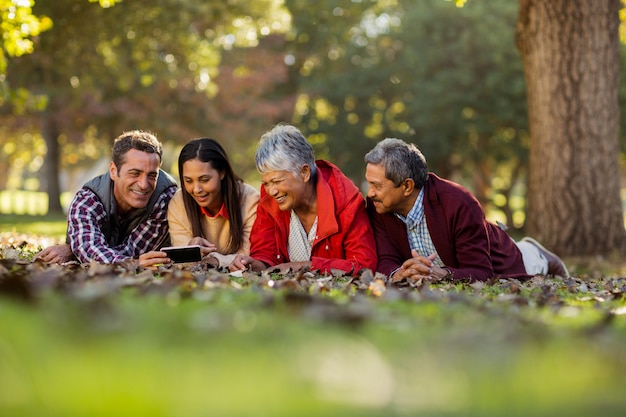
<point x="206" y="247"/>
<point x="244" y="262"/>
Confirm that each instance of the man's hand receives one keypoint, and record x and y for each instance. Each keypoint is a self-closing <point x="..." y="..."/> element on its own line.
<point x="419" y="268"/>
<point x="152" y="258"/>
<point x="57" y="254"/>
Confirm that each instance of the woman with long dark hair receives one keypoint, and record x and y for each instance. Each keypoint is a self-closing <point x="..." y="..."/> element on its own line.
<point x="214" y="208"/>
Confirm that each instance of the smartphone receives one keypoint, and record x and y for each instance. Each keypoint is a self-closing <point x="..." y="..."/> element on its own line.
<point x="180" y="254"/>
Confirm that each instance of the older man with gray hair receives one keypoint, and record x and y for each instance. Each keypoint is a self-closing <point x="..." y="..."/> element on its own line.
<point x="429" y="227"/>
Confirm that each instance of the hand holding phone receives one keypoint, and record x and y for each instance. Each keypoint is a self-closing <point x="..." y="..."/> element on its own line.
<point x="206" y="246"/>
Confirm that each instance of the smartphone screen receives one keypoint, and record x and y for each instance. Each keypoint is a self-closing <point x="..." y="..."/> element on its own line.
<point x="180" y="254"/>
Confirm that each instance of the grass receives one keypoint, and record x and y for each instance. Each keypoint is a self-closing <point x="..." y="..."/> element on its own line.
<point x="53" y="226"/>
<point x="238" y="348"/>
<point x="232" y="355"/>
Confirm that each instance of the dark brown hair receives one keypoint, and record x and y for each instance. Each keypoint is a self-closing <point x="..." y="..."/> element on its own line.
<point x="135" y="139"/>
<point x="209" y="150"/>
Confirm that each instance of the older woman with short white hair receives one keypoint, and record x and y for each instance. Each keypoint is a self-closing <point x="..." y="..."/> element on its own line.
<point x="310" y="214"/>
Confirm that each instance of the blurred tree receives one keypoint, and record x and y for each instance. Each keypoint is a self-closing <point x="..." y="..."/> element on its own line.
<point x="140" y="64"/>
<point x="319" y="67"/>
<point x="622" y="98"/>
<point x="571" y="60"/>
<point x="18" y="25"/>
<point x="254" y="93"/>
<point x="447" y="78"/>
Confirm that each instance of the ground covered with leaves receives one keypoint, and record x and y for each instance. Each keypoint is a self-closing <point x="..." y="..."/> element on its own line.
<point x="188" y="340"/>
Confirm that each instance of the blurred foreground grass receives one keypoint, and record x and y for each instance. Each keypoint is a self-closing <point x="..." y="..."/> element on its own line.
<point x="232" y="354"/>
<point x="247" y="350"/>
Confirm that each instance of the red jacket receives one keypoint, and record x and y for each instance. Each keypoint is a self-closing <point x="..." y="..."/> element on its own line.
<point x="467" y="244"/>
<point x="344" y="240"/>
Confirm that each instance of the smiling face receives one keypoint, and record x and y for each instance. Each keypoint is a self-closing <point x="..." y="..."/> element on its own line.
<point x="135" y="181"/>
<point x="388" y="198"/>
<point x="203" y="183"/>
<point x="289" y="191"/>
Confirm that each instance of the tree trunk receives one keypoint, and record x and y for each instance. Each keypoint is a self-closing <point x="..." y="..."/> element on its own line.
<point x="570" y="50"/>
<point x="50" y="132"/>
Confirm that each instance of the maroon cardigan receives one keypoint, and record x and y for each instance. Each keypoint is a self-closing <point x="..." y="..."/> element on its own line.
<point x="468" y="245"/>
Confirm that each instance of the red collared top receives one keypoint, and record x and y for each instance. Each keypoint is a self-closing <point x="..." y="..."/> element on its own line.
<point x="223" y="212"/>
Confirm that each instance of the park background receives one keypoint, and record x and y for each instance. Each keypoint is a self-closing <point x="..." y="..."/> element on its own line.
<point x="446" y="75"/>
<point x="518" y="100"/>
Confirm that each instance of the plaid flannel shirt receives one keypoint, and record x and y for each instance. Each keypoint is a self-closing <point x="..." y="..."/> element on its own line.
<point x="86" y="216"/>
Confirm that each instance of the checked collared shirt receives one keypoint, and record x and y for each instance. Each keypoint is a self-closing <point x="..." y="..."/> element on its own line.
<point x="417" y="230"/>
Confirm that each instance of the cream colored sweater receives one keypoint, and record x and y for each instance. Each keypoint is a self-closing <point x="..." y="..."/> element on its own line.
<point x="216" y="230"/>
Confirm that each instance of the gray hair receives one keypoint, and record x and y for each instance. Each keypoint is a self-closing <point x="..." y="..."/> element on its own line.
<point x="401" y="160"/>
<point x="284" y="148"/>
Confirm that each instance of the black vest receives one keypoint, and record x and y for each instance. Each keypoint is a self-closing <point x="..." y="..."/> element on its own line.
<point x="114" y="228"/>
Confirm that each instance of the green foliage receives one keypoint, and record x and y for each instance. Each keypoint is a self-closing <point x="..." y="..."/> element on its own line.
<point x="444" y="77"/>
<point x="105" y="3"/>
<point x="129" y="54"/>
<point x="107" y="67"/>
<point x="443" y="74"/>
<point x="18" y="25"/>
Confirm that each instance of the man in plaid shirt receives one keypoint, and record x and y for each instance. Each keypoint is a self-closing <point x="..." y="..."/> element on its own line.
<point x="122" y="214"/>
